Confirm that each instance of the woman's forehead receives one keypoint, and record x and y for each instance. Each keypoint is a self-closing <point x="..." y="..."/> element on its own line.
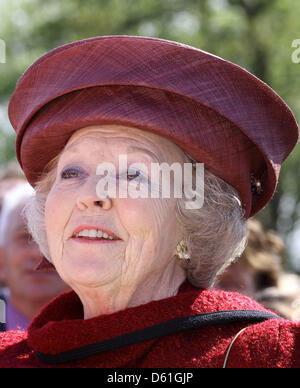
<point x="112" y="135"/>
<point x="126" y="138"/>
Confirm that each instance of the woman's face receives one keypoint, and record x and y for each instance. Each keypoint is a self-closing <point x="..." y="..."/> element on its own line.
<point x="147" y="228"/>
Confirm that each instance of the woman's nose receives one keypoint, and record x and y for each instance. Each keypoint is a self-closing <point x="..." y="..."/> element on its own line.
<point x="92" y="202"/>
<point x="88" y="199"/>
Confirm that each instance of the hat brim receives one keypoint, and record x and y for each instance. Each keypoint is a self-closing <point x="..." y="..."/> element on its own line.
<point x="151" y="110"/>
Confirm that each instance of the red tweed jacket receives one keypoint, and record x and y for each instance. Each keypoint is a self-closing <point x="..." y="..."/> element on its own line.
<point x="60" y="327"/>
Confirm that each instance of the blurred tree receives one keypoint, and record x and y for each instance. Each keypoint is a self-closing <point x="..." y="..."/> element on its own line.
<point x="256" y="34"/>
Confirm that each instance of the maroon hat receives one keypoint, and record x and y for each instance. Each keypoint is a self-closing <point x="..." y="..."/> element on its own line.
<point x="217" y="112"/>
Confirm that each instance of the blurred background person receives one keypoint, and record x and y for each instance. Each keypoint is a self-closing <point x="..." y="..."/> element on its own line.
<point x="259" y="273"/>
<point x="11" y="175"/>
<point x="28" y="290"/>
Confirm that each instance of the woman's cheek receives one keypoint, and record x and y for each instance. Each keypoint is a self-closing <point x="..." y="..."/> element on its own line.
<point x="136" y="214"/>
<point x="52" y="210"/>
<point x="142" y="215"/>
<point x="56" y="218"/>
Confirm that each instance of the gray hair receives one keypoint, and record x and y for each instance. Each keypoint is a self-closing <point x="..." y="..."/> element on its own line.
<point x="215" y="235"/>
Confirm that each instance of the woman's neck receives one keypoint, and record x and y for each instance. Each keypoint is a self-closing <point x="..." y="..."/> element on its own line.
<point x="117" y="296"/>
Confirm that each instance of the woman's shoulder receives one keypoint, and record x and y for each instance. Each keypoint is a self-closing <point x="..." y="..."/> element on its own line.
<point x="13" y="347"/>
<point x="215" y="300"/>
<point x="11" y="338"/>
<point x="269" y="343"/>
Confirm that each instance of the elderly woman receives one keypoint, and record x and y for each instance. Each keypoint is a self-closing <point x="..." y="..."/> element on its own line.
<point x="141" y="266"/>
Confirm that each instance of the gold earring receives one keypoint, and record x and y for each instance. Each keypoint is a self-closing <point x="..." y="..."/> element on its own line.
<point x="182" y="251"/>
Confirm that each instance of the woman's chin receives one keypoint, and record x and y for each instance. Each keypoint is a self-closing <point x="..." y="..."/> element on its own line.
<point x="90" y="272"/>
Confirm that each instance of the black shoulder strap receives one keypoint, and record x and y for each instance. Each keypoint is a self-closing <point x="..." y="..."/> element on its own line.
<point x="170" y="327"/>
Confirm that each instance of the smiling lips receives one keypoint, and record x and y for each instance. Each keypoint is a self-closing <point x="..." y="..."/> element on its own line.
<point x="91" y="233"/>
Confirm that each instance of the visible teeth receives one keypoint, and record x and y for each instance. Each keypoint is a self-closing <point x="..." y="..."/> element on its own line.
<point x="93" y="233"/>
<point x="84" y="233"/>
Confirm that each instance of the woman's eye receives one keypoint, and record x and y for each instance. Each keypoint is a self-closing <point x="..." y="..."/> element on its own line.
<point x="70" y="173"/>
<point x="131" y="176"/>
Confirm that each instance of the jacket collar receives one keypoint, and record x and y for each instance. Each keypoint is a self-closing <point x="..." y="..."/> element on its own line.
<point x="60" y="327"/>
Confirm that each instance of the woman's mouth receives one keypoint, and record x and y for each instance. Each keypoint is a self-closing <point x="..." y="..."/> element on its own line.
<point x="88" y="240"/>
<point x="94" y="236"/>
